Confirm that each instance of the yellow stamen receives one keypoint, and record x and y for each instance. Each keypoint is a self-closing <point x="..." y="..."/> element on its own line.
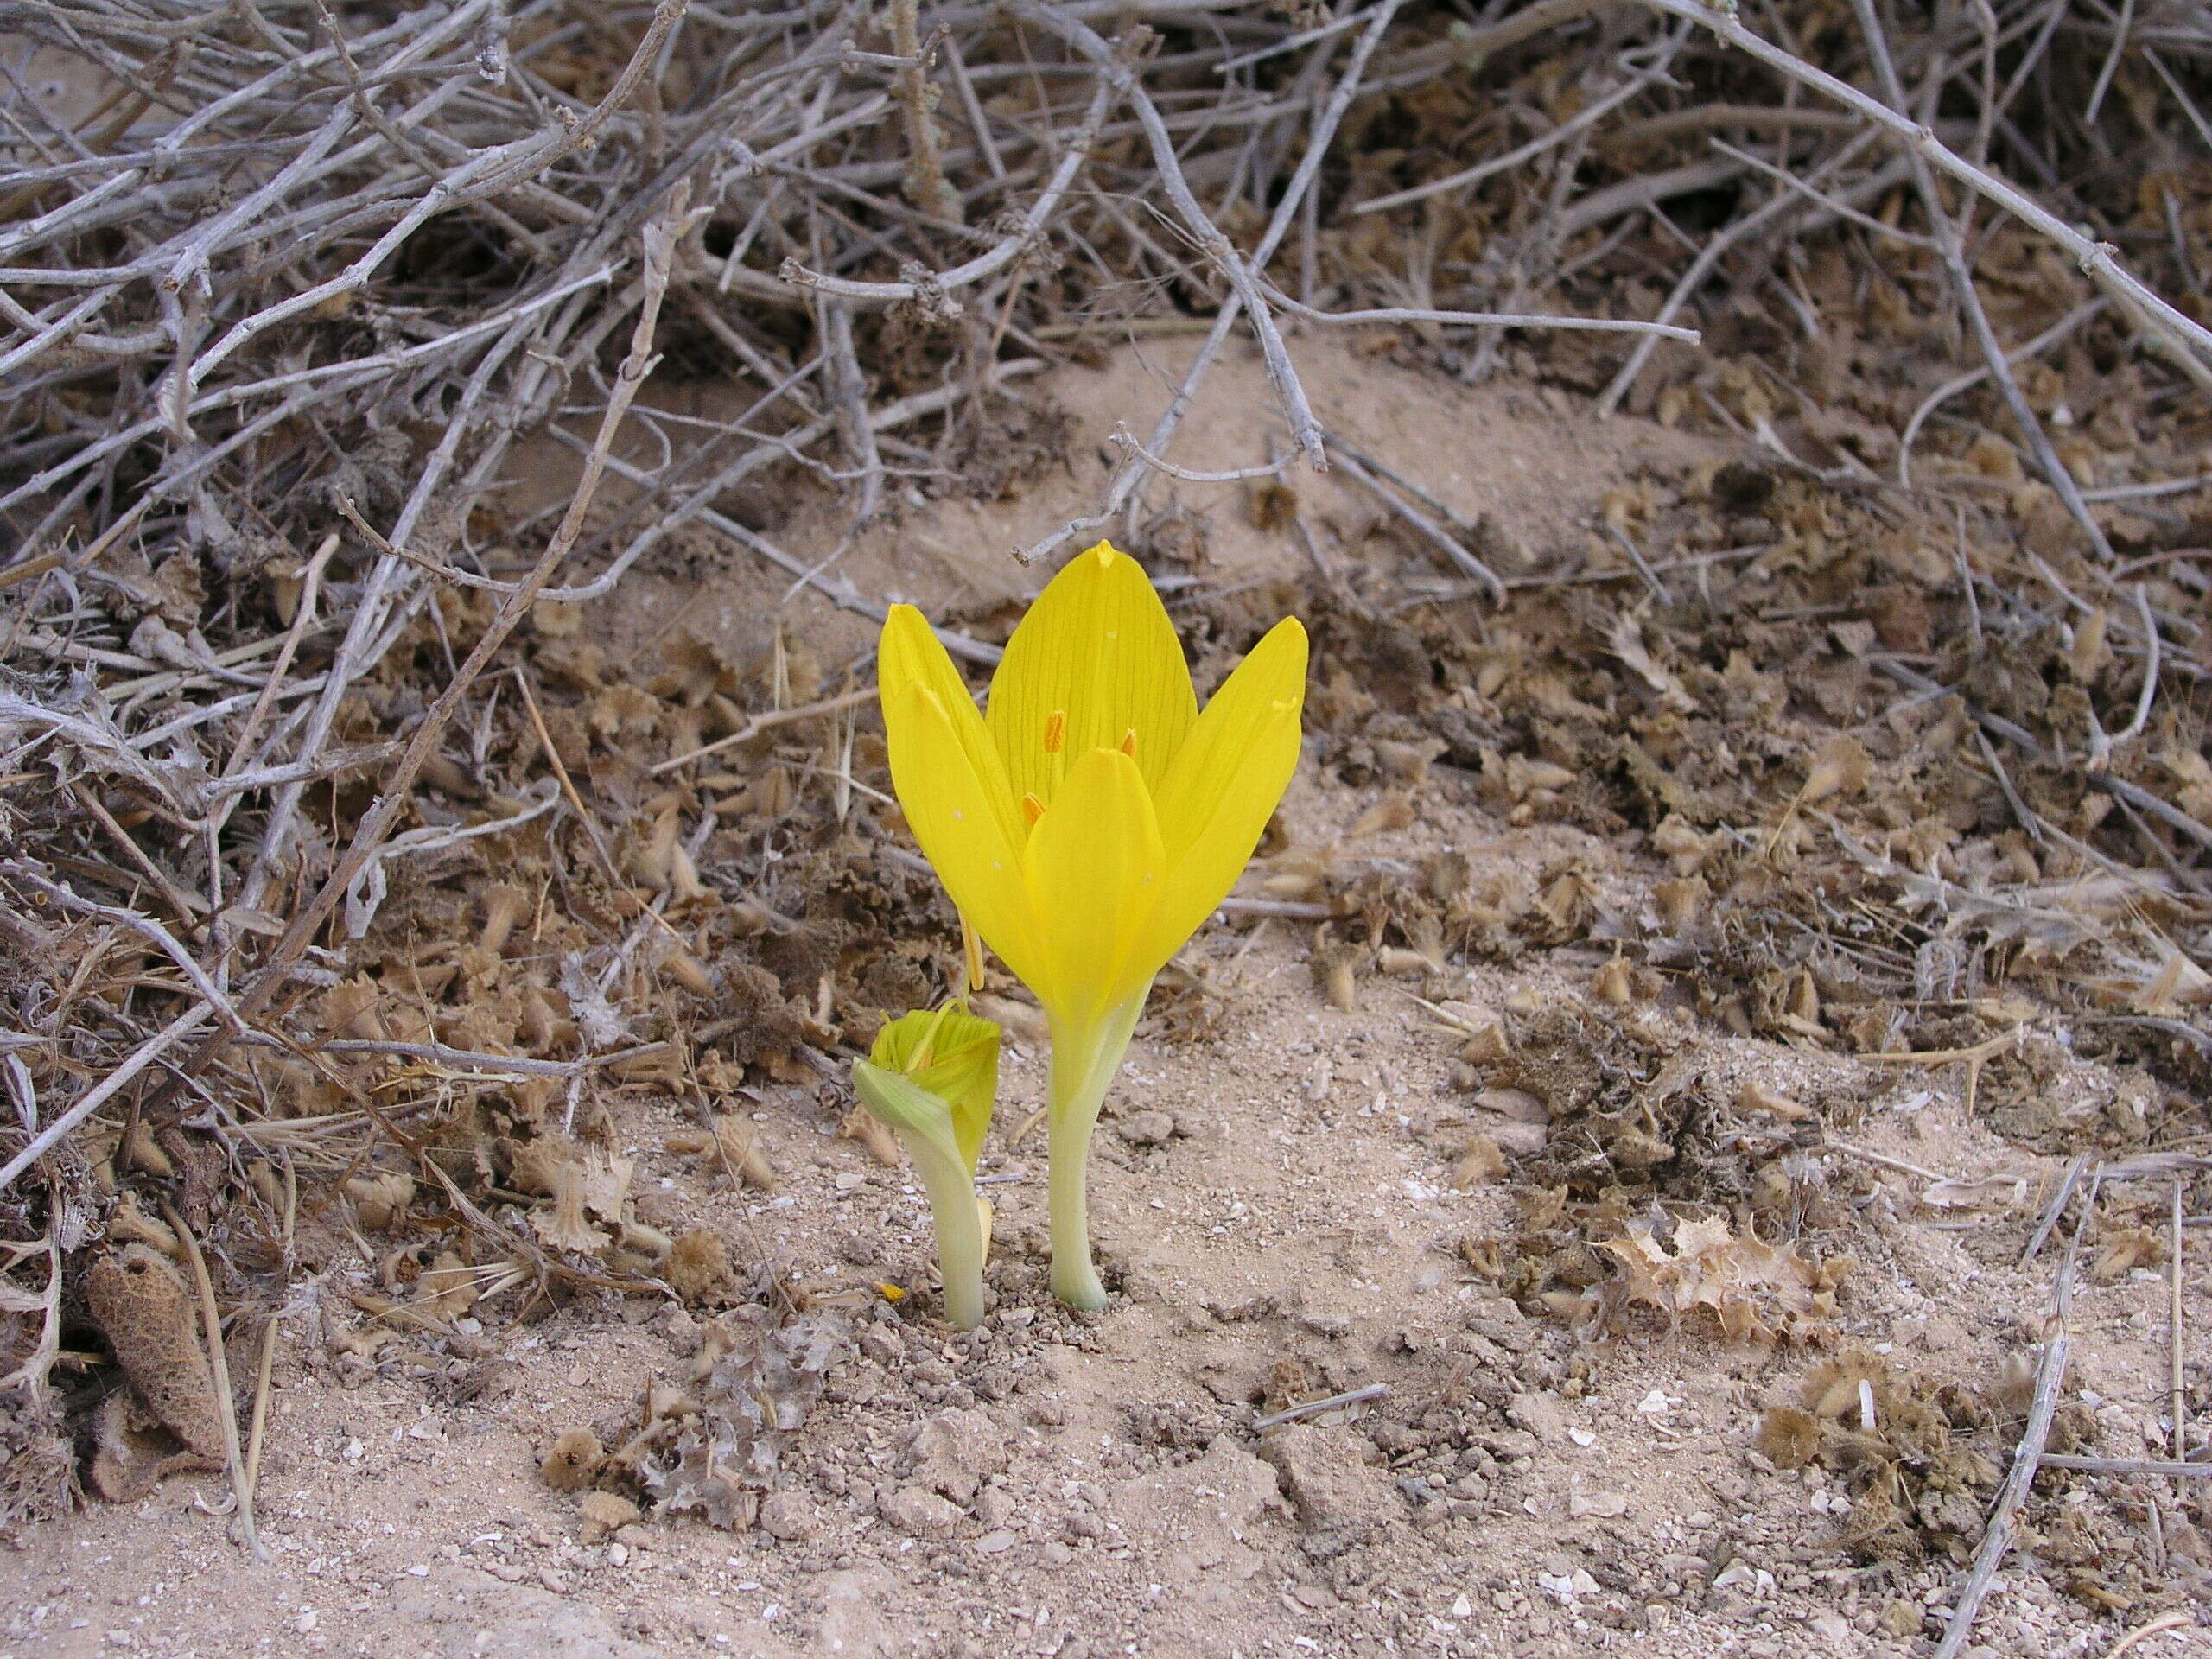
<point x="1130" y="743"/>
<point x="925" y="1051"/>
<point x="1032" y="809"/>
<point x="975" y="949"/>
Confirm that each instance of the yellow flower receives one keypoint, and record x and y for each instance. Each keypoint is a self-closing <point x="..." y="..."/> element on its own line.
<point x="1091" y="821"/>
<point x="1094" y="819"/>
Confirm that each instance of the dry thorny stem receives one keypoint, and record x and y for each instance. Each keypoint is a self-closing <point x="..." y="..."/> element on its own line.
<point x="287" y="286"/>
<point x="2050" y="1378"/>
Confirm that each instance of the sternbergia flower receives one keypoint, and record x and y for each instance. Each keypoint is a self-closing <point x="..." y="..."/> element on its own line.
<point x="933" y="1078"/>
<point x="1091" y="820"/>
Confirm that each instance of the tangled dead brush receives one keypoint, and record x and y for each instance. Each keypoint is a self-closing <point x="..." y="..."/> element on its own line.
<point x="342" y="877"/>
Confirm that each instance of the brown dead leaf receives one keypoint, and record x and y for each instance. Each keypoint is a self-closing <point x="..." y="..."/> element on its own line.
<point x="1753" y="1290"/>
<point x="1627" y="642"/>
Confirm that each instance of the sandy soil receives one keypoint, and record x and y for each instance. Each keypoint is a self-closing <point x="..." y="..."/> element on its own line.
<point x="1095" y="1486"/>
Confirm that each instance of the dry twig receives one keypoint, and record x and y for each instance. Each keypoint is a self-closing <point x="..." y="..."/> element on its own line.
<point x="2012" y="1501"/>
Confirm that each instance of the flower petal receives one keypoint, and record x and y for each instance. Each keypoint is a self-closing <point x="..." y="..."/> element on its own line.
<point x="1226" y="780"/>
<point x="1096" y="645"/>
<point x="953" y="1055"/>
<point x="908" y="654"/>
<point x="953" y="788"/>
<point x="898" y="1101"/>
<point x="1094" y="871"/>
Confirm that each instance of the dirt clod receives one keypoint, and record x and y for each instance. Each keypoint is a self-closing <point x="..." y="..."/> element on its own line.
<point x="918" y="1511"/>
<point x="604" y="1514"/>
<point x="1330" y="1475"/>
<point x="955" y="1451"/>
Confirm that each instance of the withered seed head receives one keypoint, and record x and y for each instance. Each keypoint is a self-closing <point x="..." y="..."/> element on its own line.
<point x="573" y="1460"/>
<point x="1335" y="968"/>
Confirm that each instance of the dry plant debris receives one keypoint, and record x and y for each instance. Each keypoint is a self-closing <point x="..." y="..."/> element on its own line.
<point x="717" y="1448"/>
<point x="1922" y="1458"/>
<point x="147" y="1315"/>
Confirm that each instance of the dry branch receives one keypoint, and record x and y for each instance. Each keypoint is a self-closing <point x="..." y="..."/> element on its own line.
<point x="2190" y="340"/>
<point x="106" y="1089"/>
<point x="2011" y="1499"/>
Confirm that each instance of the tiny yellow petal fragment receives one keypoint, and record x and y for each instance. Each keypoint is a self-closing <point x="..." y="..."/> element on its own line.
<point x="890" y="1293"/>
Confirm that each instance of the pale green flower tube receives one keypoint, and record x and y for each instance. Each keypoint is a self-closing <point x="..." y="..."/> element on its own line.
<point x="933" y="1079"/>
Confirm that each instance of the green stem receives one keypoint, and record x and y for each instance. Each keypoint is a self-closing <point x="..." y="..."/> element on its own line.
<point x="924" y="1124"/>
<point x="959" y="1226"/>
<point x="1084" y="1060"/>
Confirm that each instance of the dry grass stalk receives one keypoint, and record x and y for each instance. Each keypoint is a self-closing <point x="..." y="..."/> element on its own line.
<point x="2012" y="1501"/>
<point x="225" y="1400"/>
